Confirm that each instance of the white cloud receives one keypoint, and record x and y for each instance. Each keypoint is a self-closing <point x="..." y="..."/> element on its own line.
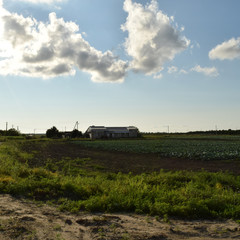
<point x="158" y="76"/>
<point x="227" y="50"/>
<point x="213" y="72"/>
<point x="172" y="69"/>
<point x="152" y="39"/>
<point x="182" y="71"/>
<point x="37" y="49"/>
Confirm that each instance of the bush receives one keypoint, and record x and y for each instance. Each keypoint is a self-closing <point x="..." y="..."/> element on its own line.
<point x="76" y="134"/>
<point x="53" y="133"/>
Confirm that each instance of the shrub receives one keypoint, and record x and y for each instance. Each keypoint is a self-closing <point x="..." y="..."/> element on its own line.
<point x="53" y="133"/>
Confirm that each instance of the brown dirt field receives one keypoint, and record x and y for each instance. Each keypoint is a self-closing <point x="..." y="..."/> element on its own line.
<point x="122" y="161"/>
<point x="24" y="220"/>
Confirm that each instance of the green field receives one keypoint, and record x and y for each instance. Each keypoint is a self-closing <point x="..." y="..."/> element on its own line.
<point x="75" y="183"/>
<point x="210" y="148"/>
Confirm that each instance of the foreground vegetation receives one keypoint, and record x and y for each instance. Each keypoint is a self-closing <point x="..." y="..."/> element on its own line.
<point x="183" y="194"/>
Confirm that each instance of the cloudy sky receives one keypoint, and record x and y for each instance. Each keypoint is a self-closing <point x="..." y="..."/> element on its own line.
<point x="152" y="64"/>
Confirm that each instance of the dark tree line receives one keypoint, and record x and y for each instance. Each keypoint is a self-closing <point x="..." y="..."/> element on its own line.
<point x="10" y="132"/>
<point x="55" y="133"/>
<point x="218" y="132"/>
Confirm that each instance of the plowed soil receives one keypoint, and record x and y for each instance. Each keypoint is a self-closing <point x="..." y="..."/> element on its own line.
<point x="122" y="161"/>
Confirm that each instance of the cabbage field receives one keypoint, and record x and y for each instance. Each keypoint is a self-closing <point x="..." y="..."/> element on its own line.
<point x="204" y="149"/>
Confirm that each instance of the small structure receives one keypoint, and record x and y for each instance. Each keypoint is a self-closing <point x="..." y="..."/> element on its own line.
<point x="98" y="132"/>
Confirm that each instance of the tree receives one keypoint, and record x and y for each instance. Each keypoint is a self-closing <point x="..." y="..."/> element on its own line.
<point x="76" y="134"/>
<point x="53" y="133"/>
<point x="12" y="132"/>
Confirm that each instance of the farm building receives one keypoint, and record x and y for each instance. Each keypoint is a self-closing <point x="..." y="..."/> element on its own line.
<point x="97" y="132"/>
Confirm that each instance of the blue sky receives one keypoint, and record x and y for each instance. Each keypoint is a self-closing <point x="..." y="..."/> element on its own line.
<point x="150" y="64"/>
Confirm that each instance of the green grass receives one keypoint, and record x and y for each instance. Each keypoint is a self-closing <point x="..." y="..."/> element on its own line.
<point x="183" y="194"/>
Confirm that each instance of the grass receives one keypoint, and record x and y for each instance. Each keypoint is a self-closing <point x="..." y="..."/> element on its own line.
<point x="183" y="194"/>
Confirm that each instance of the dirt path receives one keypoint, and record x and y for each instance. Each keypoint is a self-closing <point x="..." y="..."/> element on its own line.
<point x="22" y="219"/>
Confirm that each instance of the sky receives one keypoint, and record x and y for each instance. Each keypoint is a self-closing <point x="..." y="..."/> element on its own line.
<point x="153" y="64"/>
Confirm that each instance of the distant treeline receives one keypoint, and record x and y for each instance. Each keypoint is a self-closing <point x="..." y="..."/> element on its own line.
<point x="210" y="132"/>
<point x="55" y="133"/>
<point x="10" y="132"/>
<point x="218" y="132"/>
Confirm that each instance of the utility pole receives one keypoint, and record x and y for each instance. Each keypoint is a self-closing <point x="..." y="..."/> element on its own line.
<point x="167" y="126"/>
<point x="6" y="126"/>
<point x="76" y="126"/>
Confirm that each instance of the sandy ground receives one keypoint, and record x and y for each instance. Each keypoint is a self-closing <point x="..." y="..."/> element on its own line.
<point x="23" y="219"/>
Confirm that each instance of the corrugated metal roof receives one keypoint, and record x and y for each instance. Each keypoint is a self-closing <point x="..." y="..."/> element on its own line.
<point x="102" y="128"/>
<point x="112" y="129"/>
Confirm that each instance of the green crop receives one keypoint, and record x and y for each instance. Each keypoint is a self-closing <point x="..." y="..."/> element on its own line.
<point x="178" y="148"/>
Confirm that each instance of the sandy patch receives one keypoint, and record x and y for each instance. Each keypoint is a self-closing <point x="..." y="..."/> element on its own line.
<point x="23" y="219"/>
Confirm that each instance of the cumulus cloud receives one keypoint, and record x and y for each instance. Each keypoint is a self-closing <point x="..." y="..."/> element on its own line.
<point x="227" y="50"/>
<point x="55" y="48"/>
<point x="183" y="71"/>
<point x="172" y="69"/>
<point x="158" y="76"/>
<point x="152" y="39"/>
<point x="213" y="72"/>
